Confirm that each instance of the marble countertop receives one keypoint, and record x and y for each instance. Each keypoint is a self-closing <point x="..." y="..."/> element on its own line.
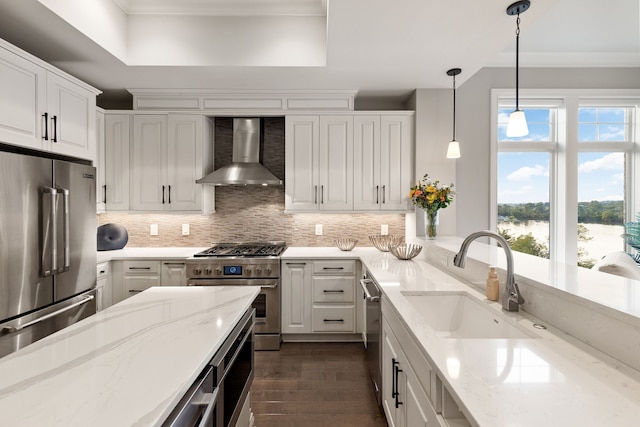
<point x="127" y="365"/>
<point x="549" y="380"/>
<point x="150" y="253"/>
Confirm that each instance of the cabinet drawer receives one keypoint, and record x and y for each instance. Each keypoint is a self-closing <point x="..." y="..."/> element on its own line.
<point x="333" y="289"/>
<point x="136" y="284"/>
<point x="328" y="318"/>
<point x="335" y="267"/>
<point x="141" y="267"/>
<point x="102" y="270"/>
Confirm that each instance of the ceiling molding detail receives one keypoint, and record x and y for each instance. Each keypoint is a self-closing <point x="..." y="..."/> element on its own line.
<point x="225" y="7"/>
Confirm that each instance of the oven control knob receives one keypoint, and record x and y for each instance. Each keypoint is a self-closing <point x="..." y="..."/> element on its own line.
<point x="248" y="271"/>
<point x="268" y="271"/>
<point x="207" y="271"/>
<point x="258" y="271"/>
<point x="218" y="271"/>
<point x="197" y="271"/>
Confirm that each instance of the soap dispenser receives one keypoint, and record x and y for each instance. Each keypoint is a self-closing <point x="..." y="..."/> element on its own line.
<point x="493" y="285"/>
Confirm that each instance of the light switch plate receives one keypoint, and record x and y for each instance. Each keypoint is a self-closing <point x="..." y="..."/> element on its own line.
<point x="318" y="229"/>
<point x="153" y="229"/>
<point x="384" y="229"/>
<point x="185" y="229"/>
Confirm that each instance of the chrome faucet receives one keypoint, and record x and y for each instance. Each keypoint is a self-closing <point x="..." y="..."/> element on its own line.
<point x="511" y="298"/>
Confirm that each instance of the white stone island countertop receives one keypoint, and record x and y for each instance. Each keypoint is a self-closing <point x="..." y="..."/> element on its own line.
<point x="150" y="253"/>
<point x="127" y="365"/>
<point x="550" y="380"/>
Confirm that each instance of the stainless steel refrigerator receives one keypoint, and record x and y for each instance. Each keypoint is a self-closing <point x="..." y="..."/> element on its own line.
<point x="47" y="246"/>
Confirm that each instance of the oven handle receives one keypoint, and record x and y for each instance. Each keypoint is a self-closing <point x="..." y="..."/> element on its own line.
<point x="367" y="294"/>
<point x="208" y="399"/>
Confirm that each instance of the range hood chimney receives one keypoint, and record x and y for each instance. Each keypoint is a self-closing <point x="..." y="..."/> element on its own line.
<point x="245" y="168"/>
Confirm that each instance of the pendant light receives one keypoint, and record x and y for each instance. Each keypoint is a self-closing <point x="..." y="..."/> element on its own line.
<point x="453" y="150"/>
<point x="517" y="125"/>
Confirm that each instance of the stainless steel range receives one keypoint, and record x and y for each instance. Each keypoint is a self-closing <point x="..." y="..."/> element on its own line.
<point x="245" y="264"/>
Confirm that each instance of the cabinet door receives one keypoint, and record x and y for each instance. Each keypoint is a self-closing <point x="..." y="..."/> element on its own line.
<point x="100" y="163"/>
<point x="116" y="180"/>
<point x="390" y="360"/>
<point x="149" y="186"/>
<point x="418" y="409"/>
<point x="184" y="162"/>
<point x="72" y="114"/>
<point x="23" y="100"/>
<point x="396" y="166"/>
<point x="174" y="273"/>
<point x="366" y="163"/>
<point x="301" y="163"/>
<point x="336" y="163"/>
<point x="296" y="297"/>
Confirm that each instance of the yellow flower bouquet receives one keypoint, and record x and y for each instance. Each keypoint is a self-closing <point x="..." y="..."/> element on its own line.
<point x="431" y="196"/>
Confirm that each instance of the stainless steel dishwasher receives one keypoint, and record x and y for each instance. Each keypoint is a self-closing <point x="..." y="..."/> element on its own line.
<point x="373" y="330"/>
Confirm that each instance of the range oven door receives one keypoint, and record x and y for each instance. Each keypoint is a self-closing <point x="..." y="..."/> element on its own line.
<point x="267" y="303"/>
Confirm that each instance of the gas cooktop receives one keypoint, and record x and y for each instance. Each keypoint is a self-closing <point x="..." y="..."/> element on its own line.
<point x="245" y="249"/>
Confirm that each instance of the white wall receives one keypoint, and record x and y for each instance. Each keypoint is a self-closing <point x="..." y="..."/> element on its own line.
<point x="473" y="100"/>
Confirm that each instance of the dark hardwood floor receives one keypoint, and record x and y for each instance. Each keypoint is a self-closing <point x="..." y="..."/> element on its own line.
<point x="314" y="384"/>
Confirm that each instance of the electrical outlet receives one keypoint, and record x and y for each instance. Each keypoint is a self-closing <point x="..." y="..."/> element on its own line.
<point x="185" y="229"/>
<point x="318" y="229"/>
<point x="384" y="229"/>
<point x="153" y="229"/>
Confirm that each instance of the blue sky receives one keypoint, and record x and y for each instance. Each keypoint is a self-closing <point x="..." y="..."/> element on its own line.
<point x="524" y="177"/>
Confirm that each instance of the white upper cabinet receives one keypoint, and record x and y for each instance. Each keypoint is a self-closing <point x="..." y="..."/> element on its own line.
<point x="167" y="158"/>
<point x="115" y="190"/>
<point x="43" y="109"/>
<point x="184" y="161"/>
<point x="319" y="163"/>
<point x="383" y="165"/>
<point x="349" y="162"/>
<point x="23" y="88"/>
<point x="100" y="162"/>
<point x="72" y="117"/>
<point x="336" y="163"/>
<point x="302" y="152"/>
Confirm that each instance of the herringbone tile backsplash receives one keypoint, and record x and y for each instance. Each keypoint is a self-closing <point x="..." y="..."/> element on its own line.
<point x="251" y="213"/>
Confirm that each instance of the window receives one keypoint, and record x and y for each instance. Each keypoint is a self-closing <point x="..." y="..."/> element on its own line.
<point x="565" y="190"/>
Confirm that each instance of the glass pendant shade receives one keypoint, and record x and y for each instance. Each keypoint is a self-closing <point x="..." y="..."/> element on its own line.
<point x="453" y="150"/>
<point x="517" y="125"/>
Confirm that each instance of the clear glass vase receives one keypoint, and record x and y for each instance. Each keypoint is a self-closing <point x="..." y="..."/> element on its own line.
<point x="431" y="224"/>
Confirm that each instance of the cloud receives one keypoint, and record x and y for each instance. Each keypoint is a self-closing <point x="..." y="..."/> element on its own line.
<point x="609" y="162"/>
<point x="527" y="172"/>
<point x="612" y="133"/>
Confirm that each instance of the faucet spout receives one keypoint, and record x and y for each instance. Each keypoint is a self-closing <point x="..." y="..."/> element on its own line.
<point x="511" y="297"/>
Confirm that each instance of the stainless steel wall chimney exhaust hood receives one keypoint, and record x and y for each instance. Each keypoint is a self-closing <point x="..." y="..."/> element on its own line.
<point x="245" y="168"/>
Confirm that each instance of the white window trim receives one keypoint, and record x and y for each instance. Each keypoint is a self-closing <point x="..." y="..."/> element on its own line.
<point x="564" y="170"/>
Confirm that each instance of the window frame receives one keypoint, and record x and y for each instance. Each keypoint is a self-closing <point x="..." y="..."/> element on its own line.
<point x="563" y="159"/>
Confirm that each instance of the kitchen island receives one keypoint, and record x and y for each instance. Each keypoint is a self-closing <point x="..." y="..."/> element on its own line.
<point x="127" y="365"/>
<point x="545" y="378"/>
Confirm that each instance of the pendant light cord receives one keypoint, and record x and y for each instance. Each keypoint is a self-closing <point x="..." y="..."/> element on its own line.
<point x="517" y="61"/>
<point x="454" y="108"/>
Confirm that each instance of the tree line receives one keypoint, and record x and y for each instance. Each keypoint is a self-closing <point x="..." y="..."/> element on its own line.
<point x="594" y="212"/>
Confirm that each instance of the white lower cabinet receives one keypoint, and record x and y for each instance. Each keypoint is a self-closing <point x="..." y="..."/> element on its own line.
<point x="412" y="393"/>
<point x="174" y="273"/>
<point x="104" y="295"/>
<point x="318" y="296"/>
<point x="295" y="280"/>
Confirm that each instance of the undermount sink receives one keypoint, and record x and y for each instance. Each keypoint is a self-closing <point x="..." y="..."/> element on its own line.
<point x="460" y="316"/>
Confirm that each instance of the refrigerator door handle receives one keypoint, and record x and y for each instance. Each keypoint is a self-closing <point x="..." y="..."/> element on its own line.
<point x="65" y="231"/>
<point x="12" y="329"/>
<point x="52" y="220"/>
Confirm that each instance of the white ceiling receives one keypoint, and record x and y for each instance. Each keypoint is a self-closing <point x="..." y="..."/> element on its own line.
<point x="378" y="47"/>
